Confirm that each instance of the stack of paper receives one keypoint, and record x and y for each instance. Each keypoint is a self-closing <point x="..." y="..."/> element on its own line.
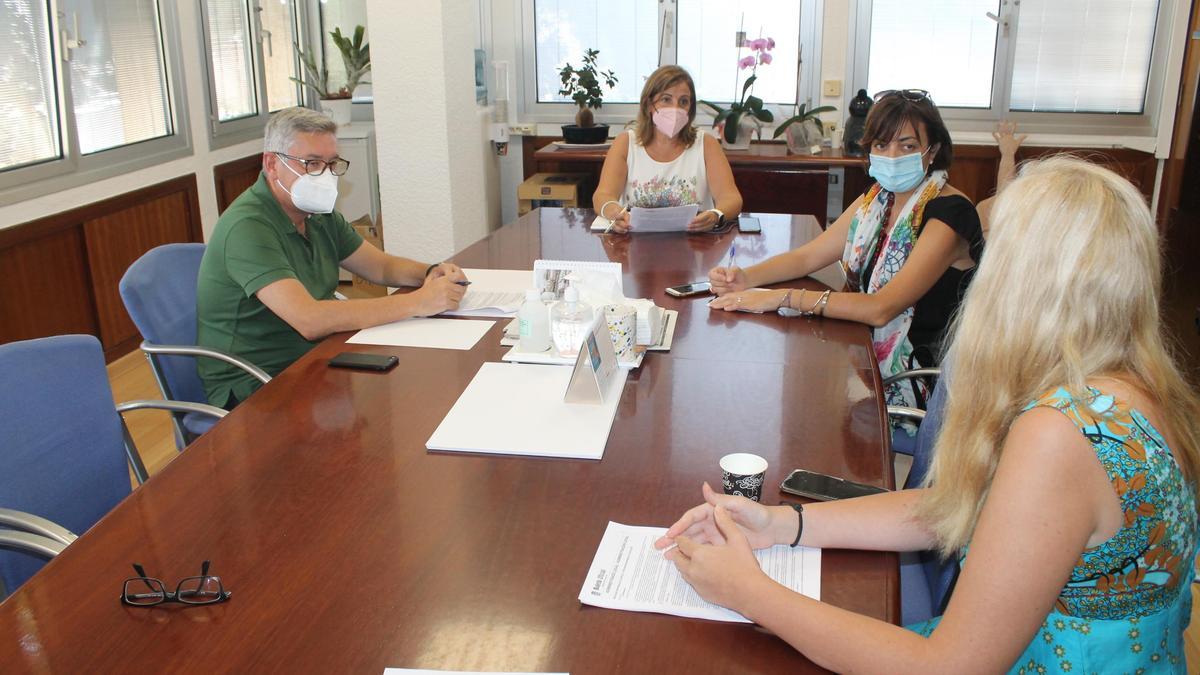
<point x="494" y="292"/>
<point x="421" y="332"/>
<point x="629" y="573"/>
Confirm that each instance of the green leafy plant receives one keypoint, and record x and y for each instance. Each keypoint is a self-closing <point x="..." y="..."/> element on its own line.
<point x="802" y="115"/>
<point x="356" y="56"/>
<point x="583" y="86"/>
<point x="746" y="103"/>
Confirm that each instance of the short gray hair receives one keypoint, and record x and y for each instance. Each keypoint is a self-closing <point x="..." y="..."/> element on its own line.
<point x="284" y="125"/>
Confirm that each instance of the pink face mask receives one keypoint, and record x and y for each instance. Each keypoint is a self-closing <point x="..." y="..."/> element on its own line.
<point x="670" y="121"/>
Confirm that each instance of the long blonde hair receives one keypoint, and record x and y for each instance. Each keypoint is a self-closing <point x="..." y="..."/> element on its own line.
<point x="1068" y="289"/>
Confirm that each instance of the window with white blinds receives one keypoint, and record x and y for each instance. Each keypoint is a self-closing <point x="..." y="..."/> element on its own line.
<point x="946" y="47"/>
<point x="624" y="31"/>
<point x="231" y="53"/>
<point x="118" y="75"/>
<point x="1032" y="56"/>
<point x="1083" y="55"/>
<point x="279" y="54"/>
<point x="29" y="117"/>
<point x="708" y="47"/>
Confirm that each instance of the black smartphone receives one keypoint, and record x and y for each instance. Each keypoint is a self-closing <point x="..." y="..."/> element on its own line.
<point x="825" y="488"/>
<point x="361" y="361"/>
<point x="694" y="288"/>
<point x="749" y="225"/>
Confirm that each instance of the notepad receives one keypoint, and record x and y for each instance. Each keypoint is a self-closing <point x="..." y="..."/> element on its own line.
<point x="422" y="332"/>
<point x="518" y="409"/>
<point x="629" y="573"/>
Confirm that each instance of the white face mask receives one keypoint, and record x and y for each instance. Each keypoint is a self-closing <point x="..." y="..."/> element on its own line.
<point x="312" y="194"/>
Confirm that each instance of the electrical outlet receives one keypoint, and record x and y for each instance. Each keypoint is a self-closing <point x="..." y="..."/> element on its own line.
<point x="522" y="129"/>
<point x="831" y="88"/>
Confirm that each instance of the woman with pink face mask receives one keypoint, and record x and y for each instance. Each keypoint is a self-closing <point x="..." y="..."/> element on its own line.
<point x="665" y="161"/>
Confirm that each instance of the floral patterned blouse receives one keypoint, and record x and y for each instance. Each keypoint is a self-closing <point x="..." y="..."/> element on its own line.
<point x="1128" y="599"/>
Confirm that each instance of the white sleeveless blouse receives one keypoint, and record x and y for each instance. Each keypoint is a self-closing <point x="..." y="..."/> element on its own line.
<point x="652" y="184"/>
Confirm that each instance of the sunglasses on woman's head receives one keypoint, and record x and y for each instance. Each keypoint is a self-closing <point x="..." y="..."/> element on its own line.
<point x="914" y="95"/>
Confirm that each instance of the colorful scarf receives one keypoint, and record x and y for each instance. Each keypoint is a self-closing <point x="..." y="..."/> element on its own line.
<point x="870" y="249"/>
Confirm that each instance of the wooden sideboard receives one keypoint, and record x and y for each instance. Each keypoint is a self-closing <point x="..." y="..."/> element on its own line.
<point x="772" y="180"/>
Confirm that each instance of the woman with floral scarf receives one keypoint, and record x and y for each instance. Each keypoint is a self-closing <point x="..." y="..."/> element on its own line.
<point x="903" y="245"/>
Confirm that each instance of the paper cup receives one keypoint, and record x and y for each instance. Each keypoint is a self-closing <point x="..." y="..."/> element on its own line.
<point x="742" y="474"/>
<point x="622" y="329"/>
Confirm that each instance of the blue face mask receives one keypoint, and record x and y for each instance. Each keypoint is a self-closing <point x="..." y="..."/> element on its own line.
<point x="898" y="174"/>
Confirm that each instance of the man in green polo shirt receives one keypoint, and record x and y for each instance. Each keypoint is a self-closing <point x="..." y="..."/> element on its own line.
<point x="267" y="280"/>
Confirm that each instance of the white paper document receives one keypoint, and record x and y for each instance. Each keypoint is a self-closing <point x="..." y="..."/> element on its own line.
<point x="518" y="409"/>
<point x="498" y="293"/>
<point x="420" y="332"/>
<point x="664" y="219"/>
<point x="629" y="573"/>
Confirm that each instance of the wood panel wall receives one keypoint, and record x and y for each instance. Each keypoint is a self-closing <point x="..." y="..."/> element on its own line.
<point x="61" y="272"/>
<point x="234" y="178"/>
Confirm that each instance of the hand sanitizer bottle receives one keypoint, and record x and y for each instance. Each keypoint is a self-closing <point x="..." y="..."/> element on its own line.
<point x="534" y="320"/>
<point x="570" y="320"/>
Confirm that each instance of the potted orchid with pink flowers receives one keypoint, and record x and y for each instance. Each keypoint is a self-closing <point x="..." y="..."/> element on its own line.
<point x="737" y="124"/>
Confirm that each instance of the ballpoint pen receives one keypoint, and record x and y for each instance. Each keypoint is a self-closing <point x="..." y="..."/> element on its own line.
<point x="731" y="257"/>
<point x="463" y="283"/>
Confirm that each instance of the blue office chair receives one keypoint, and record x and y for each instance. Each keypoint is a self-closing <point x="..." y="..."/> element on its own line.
<point x="902" y="443"/>
<point x="159" y="292"/>
<point x="64" y="448"/>
<point x="925" y="579"/>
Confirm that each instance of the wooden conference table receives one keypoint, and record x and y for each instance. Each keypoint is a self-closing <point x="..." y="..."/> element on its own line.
<point x="348" y="547"/>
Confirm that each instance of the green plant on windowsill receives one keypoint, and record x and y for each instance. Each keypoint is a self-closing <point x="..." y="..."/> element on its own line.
<point x="801" y="137"/>
<point x="356" y="56"/>
<point x="747" y="107"/>
<point x="583" y="86"/>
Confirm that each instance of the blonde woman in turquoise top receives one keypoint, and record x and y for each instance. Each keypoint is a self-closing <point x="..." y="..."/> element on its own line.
<point x="1067" y="465"/>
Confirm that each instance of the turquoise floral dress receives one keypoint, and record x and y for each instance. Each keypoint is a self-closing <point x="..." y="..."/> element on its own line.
<point x="1129" y="599"/>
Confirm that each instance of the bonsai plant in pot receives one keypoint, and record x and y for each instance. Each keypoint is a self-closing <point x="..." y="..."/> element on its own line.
<point x="737" y="124"/>
<point x="583" y="86"/>
<point x="356" y="56"/>
<point x="804" y="129"/>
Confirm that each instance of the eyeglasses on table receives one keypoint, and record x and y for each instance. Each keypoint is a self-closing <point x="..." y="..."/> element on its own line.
<point x="146" y="591"/>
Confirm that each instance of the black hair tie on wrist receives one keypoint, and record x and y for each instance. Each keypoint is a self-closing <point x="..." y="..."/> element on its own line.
<point x="800" y="529"/>
<point x="430" y="269"/>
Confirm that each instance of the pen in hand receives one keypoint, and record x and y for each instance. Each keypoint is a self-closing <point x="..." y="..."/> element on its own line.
<point x="730" y="259"/>
<point x="463" y="283"/>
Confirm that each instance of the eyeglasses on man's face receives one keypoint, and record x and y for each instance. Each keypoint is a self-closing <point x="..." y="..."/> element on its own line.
<point x="315" y="167"/>
<point x="145" y="591"/>
<point x="914" y="95"/>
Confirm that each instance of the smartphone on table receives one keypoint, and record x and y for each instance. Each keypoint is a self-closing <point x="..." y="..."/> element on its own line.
<point x="824" y="487"/>
<point x="694" y="288"/>
<point x="363" y="361"/>
<point x="749" y="225"/>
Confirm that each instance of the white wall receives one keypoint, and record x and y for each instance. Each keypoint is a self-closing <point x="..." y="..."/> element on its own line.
<point x="438" y="181"/>
<point x="200" y="162"/>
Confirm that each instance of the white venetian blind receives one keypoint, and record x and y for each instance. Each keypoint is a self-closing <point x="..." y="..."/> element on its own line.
<point x="624" y="31"/>
<point x="29" y="114"/>
<point x="118" y="78"/>
<point x="708" y="49"/>
<point x="1083" y="55"/>
<point x="946" y="47"/>
<point x="231" y="47"/>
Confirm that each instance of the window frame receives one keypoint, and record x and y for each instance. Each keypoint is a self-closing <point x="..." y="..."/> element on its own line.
<point x="234" y="131"/>
<point x="808" y="76"/>
<point x="982" y="120"/>
<point x="72" y="169"/>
